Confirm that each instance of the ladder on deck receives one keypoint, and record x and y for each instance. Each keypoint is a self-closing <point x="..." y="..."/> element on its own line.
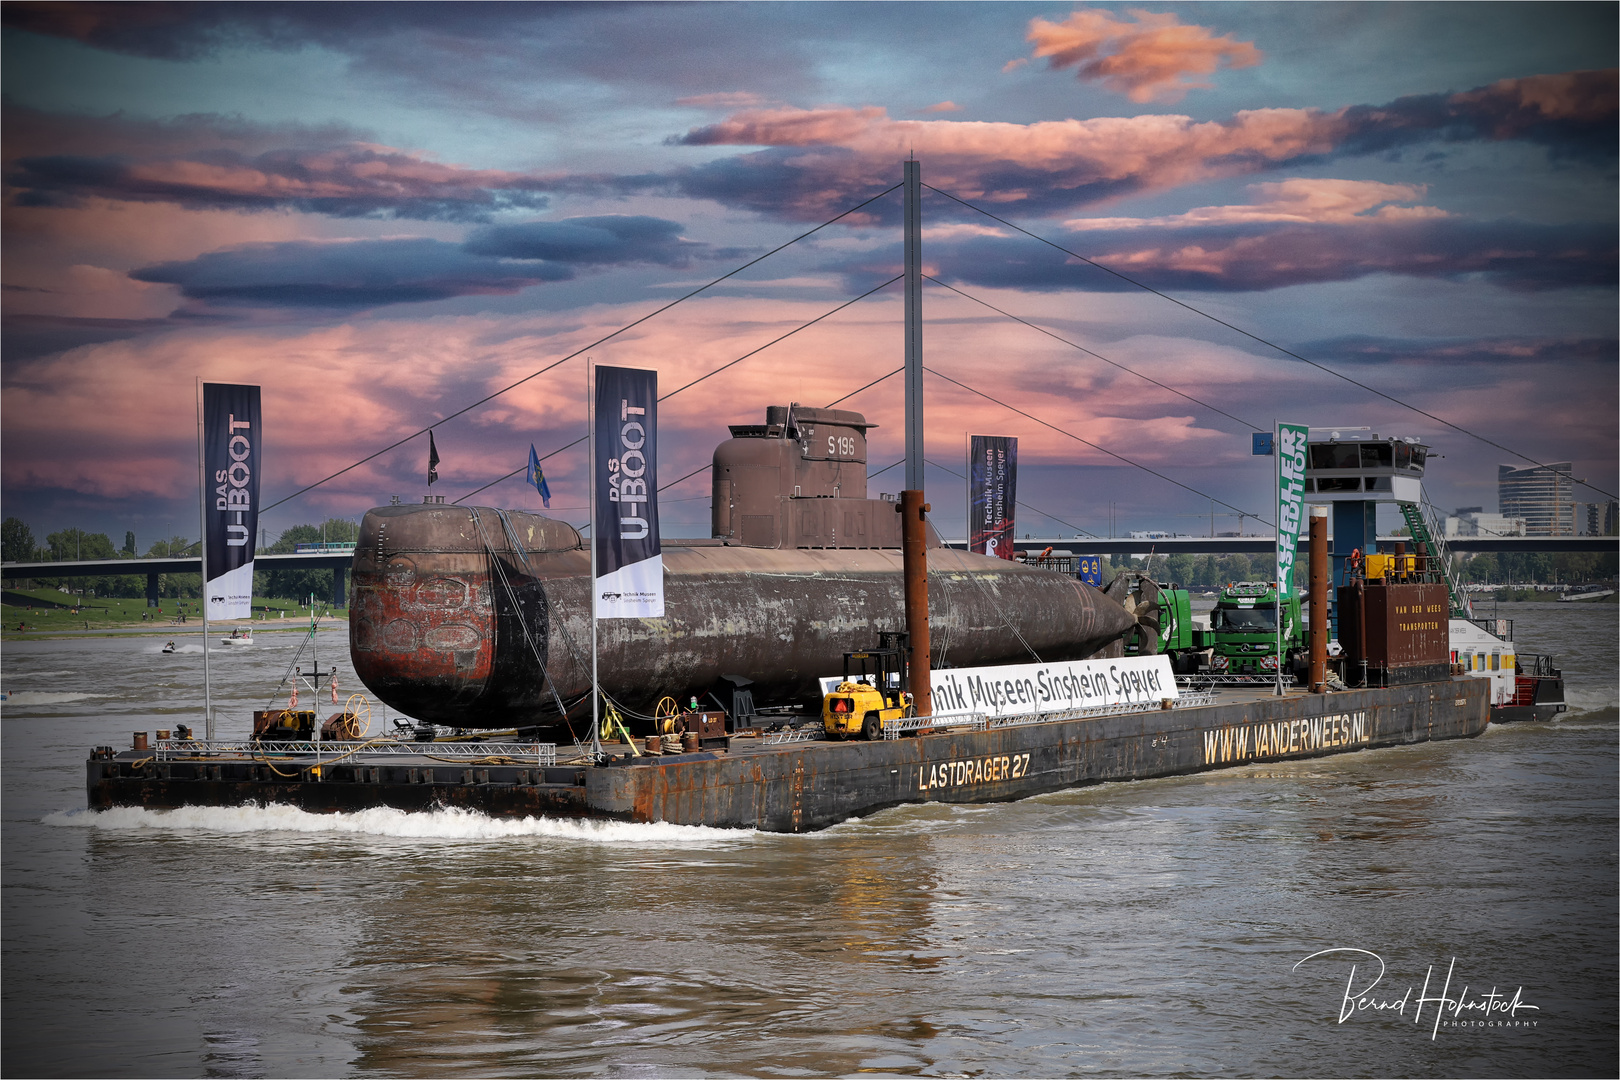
<point x="1423" y="522"/>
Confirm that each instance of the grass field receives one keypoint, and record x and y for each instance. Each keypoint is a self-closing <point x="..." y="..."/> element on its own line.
<point x="25" y="612"/>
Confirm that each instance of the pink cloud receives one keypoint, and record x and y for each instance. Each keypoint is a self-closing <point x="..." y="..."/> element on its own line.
<point x="814" y="159"/>
<point x="112" y="420"/>
<point x="1298" y="200"/>
<point x="1142" y="151"/>
<point x="1149" y="59"/>
<point x="942" y="107"/>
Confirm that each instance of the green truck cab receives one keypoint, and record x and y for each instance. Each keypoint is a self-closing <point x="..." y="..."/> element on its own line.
<point x="1243" y="631"/>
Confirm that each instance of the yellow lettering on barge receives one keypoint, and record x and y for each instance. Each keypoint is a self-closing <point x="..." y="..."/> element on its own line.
<point x="1303" y="736"/>
<point x="968" y="772"/>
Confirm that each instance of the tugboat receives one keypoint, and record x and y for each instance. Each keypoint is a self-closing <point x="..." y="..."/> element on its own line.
<point x="1524" y="686"/>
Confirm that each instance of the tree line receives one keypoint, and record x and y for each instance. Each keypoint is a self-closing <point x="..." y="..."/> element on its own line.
<point x="17" y="544"/>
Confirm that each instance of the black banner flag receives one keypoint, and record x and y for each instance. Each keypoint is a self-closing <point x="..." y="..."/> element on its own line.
<point x="992" y="493"/>
<point x="232" y="438"/>
<point x="629" y="559"/>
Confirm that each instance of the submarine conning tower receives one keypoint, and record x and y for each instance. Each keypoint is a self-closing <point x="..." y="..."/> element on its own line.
<point x="799" y="481"/>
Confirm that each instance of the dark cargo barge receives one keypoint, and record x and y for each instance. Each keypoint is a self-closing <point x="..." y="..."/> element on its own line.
<point x="793" y="787"/>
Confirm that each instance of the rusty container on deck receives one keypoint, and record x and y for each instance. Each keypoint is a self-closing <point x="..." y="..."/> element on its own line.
<point x="1399" y="632"/>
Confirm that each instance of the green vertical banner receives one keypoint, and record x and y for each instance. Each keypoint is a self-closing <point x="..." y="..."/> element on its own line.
<point x="1290" y="501"/>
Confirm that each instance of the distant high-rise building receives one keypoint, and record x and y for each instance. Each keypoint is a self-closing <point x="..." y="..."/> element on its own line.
<point x="1473" y="521"/>
<point x="1540" y="495"/>
<point x="1600" y="518"/>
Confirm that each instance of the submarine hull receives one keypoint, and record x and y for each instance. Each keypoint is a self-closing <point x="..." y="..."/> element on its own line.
<point x="480" y="617"/>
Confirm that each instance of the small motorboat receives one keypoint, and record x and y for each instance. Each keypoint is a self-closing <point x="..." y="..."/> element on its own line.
<point x="238" y="637"/>
<point x="169" y="648"/>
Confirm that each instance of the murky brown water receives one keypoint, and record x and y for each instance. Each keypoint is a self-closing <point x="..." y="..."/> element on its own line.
<point x="1153" y="928"/>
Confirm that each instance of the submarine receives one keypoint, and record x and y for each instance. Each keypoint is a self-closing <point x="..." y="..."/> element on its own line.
<point x="479" y="617"/>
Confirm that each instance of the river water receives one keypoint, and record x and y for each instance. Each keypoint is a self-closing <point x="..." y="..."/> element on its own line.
<point x="1156" y="928"/>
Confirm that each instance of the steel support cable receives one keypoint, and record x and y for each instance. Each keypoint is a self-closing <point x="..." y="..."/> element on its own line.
<point x="1094" y="446"/>
<point x="1020" y="502"/>
<point x="665" y="397"/>
<point x="599" y="341"/>
<point x="868" y="386"/>
<point x="1249" y="425"/>
<point x="1263" y="341"/>
<point x="936" y="573"/>
<point x="829" y="405"/>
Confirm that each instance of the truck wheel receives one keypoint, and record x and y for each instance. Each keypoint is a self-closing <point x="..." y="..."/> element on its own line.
<point x="872" y="729"/>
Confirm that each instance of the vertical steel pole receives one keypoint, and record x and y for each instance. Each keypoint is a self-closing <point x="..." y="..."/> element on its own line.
<point x="914" y="556"/>
<point x="914" y="371"/>
<point x="202" y="523"/>
<point x="1276" y="502"/>
<point x="590" y="475"/>
<point x="1319" y="599"/>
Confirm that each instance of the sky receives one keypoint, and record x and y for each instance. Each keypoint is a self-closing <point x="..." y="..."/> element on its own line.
<point x="384" y="213"/>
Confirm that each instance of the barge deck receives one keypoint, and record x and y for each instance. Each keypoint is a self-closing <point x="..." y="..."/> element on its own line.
<point x="774" y="785"/>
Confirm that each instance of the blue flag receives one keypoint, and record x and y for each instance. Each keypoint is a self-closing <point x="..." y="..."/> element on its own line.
<point x="538" y="478"/>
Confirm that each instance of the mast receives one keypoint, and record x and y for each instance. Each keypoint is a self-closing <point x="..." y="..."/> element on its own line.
<point x="202" y="546"/>
<point x="914" y="521"/>
<point x="590" y="429"/>
<point x="914" y="371"/>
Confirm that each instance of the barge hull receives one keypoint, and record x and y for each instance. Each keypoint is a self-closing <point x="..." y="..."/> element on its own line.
<point x="811" y="785"/>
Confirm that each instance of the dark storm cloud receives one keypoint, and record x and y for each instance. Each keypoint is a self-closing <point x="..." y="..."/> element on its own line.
<point x="371" y="273"/>
<point x="1572" y="114"/>
<point x="1509" y="354"/>
<point x="365" y="273"/>
<point x="424" y="47"/>
<point x="348" y="181"/>
<point x="1257" y="258"/>
<point x="182" y="31"/>
<point x="589" y="240"/>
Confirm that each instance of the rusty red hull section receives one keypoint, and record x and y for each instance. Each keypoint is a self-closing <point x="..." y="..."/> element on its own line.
<point x="479" y="618"/>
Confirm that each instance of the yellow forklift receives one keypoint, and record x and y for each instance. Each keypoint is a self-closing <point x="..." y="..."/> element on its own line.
<point x="875" y="688"/>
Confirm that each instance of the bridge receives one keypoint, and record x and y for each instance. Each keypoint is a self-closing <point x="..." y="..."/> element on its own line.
<point x="338" y="562"/>
<point x="1265" y="545"/>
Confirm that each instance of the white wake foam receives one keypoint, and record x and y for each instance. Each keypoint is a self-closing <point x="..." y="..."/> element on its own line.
<point x="15" y="698"/>
<point x="443" y="824"/>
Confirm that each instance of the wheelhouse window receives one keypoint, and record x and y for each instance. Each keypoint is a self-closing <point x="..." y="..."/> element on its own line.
<point x="1376" y="456"/>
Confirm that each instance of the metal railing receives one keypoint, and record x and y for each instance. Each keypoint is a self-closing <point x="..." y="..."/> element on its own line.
<point x="1426" y="525"/>
<point x="807" y="733"/>
<point x="1186" y="683"/>
<point x="893" y="728"/>
<point x="536" y="753"/>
